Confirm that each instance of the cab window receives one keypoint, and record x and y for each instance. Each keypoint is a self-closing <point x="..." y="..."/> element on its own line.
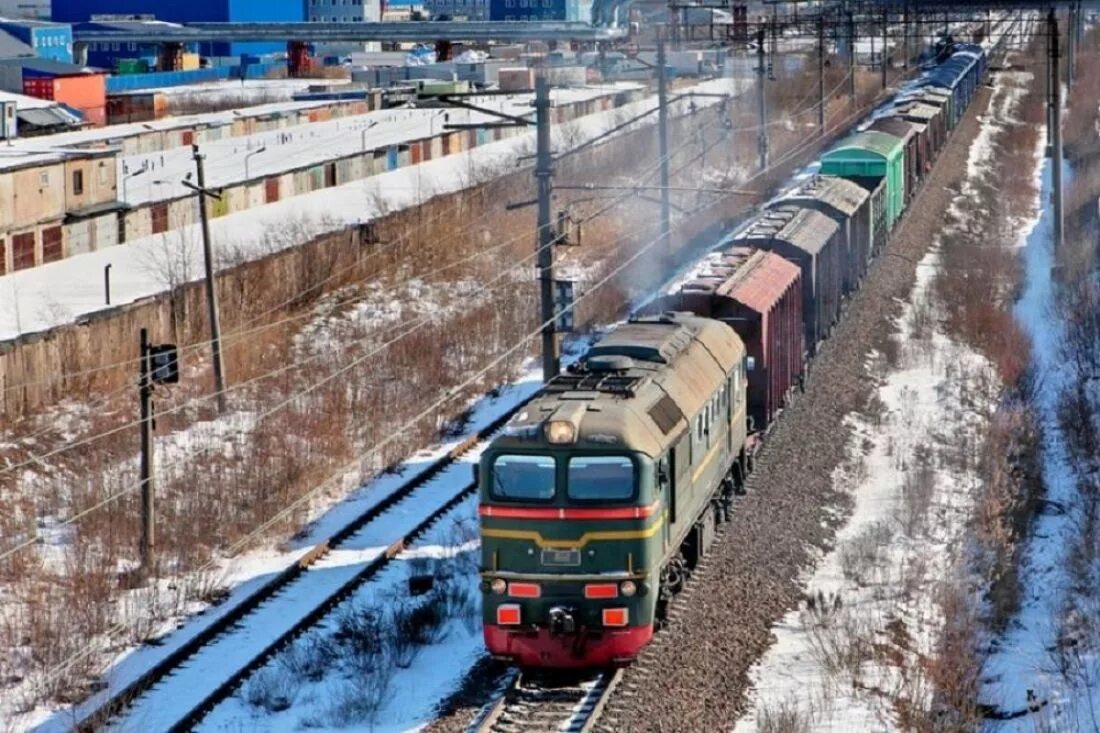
<point x="527" y="478"/>
<point x="601" y="478"/>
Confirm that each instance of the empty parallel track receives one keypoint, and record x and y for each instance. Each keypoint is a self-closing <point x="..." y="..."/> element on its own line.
<point x="213" y="664"/>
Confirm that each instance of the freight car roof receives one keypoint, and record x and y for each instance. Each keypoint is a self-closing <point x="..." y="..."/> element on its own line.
<point x="635" y="389"/>
<point x="899" y="128"/>
<point x="871" y="141"/>
<point x="805" y="229"/>
<point x="840" y="193"/>
<point x="761" y="283"/>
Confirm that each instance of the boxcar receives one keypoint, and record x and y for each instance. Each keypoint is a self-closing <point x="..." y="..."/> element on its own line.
<point x="759" y="295"/>
<point x="866" y="158"/>
<point x="914" y="160"/>
<point x="929" y="116"/>
<point x="849" y="205"/>
<point x="812" y="241"/>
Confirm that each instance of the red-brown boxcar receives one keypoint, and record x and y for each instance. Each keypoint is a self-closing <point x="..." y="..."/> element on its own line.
<point x="758" y="294"/>
<point x="811" y="240"/>
<point x="849" y="205"/>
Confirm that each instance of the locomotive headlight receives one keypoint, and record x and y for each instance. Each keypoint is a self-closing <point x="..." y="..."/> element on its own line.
<point x="498" y="586"/>
<point x="560" y="431"/>
<point x="628" y="588"/>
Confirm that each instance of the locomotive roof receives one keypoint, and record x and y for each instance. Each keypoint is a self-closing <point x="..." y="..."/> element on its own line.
<point x="635" y="389"/>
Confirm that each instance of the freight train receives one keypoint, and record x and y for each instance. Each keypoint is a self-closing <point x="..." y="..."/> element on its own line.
<point x="605" y="490"/>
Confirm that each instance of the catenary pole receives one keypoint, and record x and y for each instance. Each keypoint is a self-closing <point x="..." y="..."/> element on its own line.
<point x="662" y="139"/>
<point x="211" y="286"/>
<point x="851" y="60"/>
<point x="762" y="100"/>
<point x="544" y="171"/>
<point x="1056" y="131"/>
<point x="820" y="75"/>
<point x="148" y="521"/>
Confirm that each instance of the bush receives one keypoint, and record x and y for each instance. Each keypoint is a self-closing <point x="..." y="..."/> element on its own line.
<point x="271" y="689"/>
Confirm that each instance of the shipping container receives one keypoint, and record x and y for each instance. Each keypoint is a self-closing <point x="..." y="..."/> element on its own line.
<point x="849" y="205"/>
<point x="759" y="295"/>
<point x="811" y="240"/>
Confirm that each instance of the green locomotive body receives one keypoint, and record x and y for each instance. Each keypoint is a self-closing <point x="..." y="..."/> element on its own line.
<point x="604" y="490"/>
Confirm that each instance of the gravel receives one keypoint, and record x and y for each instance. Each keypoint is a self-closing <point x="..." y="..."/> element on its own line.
<point x="694" y="676"/>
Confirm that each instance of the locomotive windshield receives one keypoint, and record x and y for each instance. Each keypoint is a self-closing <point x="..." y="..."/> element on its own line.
<point x="601" y="478"/>
<point x="529" y="478"/>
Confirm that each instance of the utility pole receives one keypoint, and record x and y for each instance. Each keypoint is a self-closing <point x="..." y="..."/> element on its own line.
<point x="885" y="54"/>
<point x="148" y="519"/>
<point x="211" y="291"/>
<point x="1049" y="75"/>
<point x="544" y="171"/>
<point x="905" y="37"/>
<point x="851" y="60"/>
<point x="1056" y="132"/>
<point x="662" y="140"/>
<point x="820" y="75"/>
<point x="1071" y="42"/>
<point x="762" y="100"/>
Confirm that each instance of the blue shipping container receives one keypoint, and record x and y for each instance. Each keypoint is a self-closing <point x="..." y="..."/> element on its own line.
<point x="527" y="9"/>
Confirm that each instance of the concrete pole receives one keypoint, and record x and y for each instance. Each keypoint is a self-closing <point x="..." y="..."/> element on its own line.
<point x="762" y="100"/>
<point x="148" y="517"/>
<point x="662" y="139"/>
<point x="544" y="172"/>
<point x="820" y="75"/>
<point x="211" y="286"/>
<point x="1056" y="133"/>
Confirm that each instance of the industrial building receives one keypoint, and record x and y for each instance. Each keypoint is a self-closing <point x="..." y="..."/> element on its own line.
<point x="192" y="11"/>
<point x="54" y="205"/>
<point x="82" y="88"/>
<point x="344" y="11"/>
<point x="49" y="40"/>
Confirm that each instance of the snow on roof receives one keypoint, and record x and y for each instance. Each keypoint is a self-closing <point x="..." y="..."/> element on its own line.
<point x="22" y="101"/>
<point x="61" y="292"/>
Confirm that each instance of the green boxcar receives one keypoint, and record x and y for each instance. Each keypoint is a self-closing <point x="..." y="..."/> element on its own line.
<point x="867" y="156"/>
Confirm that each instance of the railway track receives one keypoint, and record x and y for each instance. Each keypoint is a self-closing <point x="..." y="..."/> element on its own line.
<point x="549" y="703"/>
<point x="213" y="664"/>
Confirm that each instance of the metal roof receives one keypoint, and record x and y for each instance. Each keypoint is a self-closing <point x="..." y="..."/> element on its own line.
<point x="806" y="229"/>
<point x="155" y="32"/>
<point x="872" y="141"/>
<point x="46" y="117"/>
<point x="762" y="281"/>
<point x="920" y="110"/>
<point x="11" y="47"/>
<point x="899" y="128"/>
<point x="49" y="66"/>
<point x="840" y="193"/>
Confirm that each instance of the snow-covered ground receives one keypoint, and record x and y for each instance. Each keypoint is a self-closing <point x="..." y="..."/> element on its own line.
<point x="854" y="654"/>
<point x="1025" y="661"/>
<point x="245" y="573"/>
<point x="57" y="293"/>
<point x="911" y="507"/>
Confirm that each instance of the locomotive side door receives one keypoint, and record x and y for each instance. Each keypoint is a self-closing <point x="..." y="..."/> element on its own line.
<point x="666" y="485"/>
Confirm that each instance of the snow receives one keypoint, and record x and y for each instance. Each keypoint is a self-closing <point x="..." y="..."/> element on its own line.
<point x="1024" y="658"/>
<point x="897" y="535"/>
<point x="51" y="295"/>
<point x="247" y="573"/>
<point x="250" y="157"/>
<point x="913" y="498"/>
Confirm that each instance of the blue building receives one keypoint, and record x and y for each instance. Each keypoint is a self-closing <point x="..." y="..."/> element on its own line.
<point x="191" y="11"/>
<point x="49" y="40"/>
<point x="570" y="10"/>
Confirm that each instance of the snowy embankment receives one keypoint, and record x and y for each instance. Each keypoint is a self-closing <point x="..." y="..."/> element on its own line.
<point x="44" y="297"/>
<point x="1044" y="671"/>
<point x="866" y="649"/>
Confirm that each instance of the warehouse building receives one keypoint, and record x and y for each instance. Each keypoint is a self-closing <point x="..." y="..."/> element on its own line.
<point x="192" y="11"/>
<point x="49" y="40"/>
<point x="80" y="87"/>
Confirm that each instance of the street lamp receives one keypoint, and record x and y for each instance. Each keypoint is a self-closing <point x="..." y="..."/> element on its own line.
<point x="257" y="151"/>
<point x="363" y="135"/>
<point x="126" y="177"/>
